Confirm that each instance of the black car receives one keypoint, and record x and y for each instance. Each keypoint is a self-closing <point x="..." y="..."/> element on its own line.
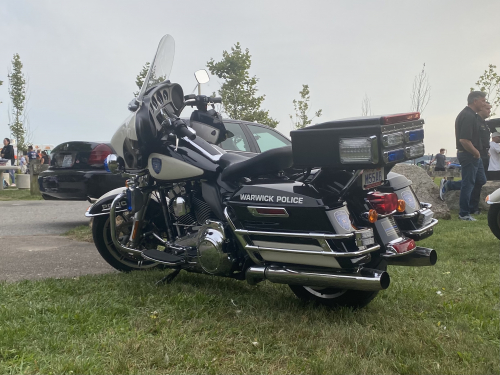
<point x="77" y="171"/>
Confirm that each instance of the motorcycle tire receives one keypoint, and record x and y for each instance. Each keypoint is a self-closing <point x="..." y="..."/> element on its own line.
<point x="336" y="298"/>
<point x="494" y="219"/>
<point x="101" y="234"/>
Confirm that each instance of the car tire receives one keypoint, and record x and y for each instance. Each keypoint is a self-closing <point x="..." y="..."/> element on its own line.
<point x="494" y="219"/>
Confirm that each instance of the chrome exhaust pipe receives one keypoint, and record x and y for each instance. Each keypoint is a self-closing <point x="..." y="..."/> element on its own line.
<point x="420" y="257"/>
<point x="365" y="279"/>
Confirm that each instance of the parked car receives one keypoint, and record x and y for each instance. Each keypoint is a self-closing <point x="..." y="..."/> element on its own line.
<point x="77" y="171"/>
<point x="453" y="163"/>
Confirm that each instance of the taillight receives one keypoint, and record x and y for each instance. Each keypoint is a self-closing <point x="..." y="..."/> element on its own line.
<point x="404" y="246"/>
<point x="99" y="154"/>
<point x="383" y="203"/>
<point x="402" y="117"/>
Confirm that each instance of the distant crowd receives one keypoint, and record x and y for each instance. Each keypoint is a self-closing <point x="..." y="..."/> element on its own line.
<point x="8" y="158"/>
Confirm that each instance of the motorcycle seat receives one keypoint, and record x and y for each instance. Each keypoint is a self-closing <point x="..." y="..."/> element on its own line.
<point x="271" y="161"/>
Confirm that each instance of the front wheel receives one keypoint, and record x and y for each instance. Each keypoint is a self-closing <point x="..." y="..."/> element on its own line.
<point x="119" y="260"/>
<point x="494" y="219"/>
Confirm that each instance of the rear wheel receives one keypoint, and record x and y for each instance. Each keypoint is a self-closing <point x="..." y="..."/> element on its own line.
<point x="116" y="258"/>
<point x="494" y="219"/>
<point x="333" y="297"/>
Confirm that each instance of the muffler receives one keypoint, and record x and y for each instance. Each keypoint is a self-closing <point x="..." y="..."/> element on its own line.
<point x="365" y="279"/>
<point x="420" y="257"/>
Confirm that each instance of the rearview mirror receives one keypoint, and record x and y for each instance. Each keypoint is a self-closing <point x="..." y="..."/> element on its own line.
<point x="201" y="76"/>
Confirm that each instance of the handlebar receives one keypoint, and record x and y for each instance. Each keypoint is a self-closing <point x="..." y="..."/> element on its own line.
<point x="201" y="99"/>
<point x="183" y="131"/>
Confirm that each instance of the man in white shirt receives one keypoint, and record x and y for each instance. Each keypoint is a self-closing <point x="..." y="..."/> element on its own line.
<point x="494" y="167"/>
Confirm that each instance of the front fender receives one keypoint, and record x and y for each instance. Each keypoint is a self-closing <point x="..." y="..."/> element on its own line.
<point x="493" y="197"/>
<point x="103" y="205"/>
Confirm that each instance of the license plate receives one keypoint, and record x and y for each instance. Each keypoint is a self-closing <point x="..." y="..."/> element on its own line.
<point x="67" y="161"/>
<point x="372" y="178"/>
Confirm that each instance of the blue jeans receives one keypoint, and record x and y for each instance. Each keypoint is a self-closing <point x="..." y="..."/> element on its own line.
<point x="12" y="174"/>
<point x="473" y="178"/>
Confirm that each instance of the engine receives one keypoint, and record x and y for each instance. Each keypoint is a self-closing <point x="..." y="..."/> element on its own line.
<point x="197" y="227"/>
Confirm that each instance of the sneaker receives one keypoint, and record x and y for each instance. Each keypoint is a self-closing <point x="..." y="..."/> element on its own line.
<point x="466" y="218"/>
<point x="442" y="188"/>
<point x="477" y="212"/>
<point x="12" y="185"/>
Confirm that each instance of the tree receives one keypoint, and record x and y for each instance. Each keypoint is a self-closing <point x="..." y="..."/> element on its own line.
<point x="301" y="108"/>
<point x="139" y="80"/>
<point x="17" y="92"/>
<point x="366" y="109"/>
<point x="238" y="90"/>
<point x="489" y="83"/>
<point x="421" y="93"/>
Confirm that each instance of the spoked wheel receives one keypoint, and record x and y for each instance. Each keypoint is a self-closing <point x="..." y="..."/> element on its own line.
<point x="494" y="219"/>
<point x="118" y="259"/>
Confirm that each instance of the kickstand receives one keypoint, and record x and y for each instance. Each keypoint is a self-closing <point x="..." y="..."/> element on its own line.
<point x="170" y="277"/>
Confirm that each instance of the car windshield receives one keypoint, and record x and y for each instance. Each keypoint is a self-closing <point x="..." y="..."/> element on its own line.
<point x="160" y="67"/>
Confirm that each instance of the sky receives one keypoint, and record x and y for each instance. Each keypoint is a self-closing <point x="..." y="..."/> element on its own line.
<point x="82" y="57"/>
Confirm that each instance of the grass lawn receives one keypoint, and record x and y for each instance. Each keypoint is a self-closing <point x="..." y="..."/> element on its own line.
<point x="432" y="320"/>
<point x="80" y="233"/>
<point x="18" y="194"/>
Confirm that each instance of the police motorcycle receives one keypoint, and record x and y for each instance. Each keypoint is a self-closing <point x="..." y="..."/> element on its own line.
<point x="189" y="205"/>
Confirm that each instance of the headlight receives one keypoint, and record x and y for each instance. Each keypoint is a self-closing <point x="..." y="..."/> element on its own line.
<point x="415" y="151"/>
<point x="358" y="150"/>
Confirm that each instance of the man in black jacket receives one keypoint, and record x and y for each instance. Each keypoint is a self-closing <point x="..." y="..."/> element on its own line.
<point x="468" y="141"/>
<point x="8" y="153"/>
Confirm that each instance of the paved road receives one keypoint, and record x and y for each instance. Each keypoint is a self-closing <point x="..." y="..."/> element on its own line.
<point x="38" y="250"/>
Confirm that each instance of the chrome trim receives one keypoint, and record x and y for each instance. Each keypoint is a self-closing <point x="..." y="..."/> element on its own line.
<point x="315" y="236"/>
<point x="214" y="158"/>
<point x="329" y="252"/>
<point x="320" y="237"/>
<point x="240" y="238"/>
<point x="380" y="216"/>
<point x="425" y="207"/>
<point x="253" y="211"/>
<point x="418" y="257"/>
<point x="364" y="279"/>
<point x="421" y="230"/>
<point x="112" y="227"/>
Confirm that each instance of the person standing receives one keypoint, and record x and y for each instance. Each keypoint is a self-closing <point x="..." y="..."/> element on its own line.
<point x="468" y="142"/>
<point x="440" y="160"/>
<point x="485" y="134"/>
<point x="8" y="153"/>
<point x="31" y="153"/>
<point x="45" y="158"/>
<point x="494" y="166"/>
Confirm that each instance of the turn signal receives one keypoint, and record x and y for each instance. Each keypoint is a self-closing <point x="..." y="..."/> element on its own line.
<point x="401" y="205"/>
<point x="487" y="199"/>
<point x="372" y="216"/>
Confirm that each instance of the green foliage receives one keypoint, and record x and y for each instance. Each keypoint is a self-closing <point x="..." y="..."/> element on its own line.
<point x="489" y="83"/>
<point x="139" y="80"/>
<point x="301" y="108"/>
<point x="239" y="90"/>
<point x="17" y="92"/>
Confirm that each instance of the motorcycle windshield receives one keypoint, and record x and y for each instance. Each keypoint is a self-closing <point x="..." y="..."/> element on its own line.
<point x="160" y="67"/>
